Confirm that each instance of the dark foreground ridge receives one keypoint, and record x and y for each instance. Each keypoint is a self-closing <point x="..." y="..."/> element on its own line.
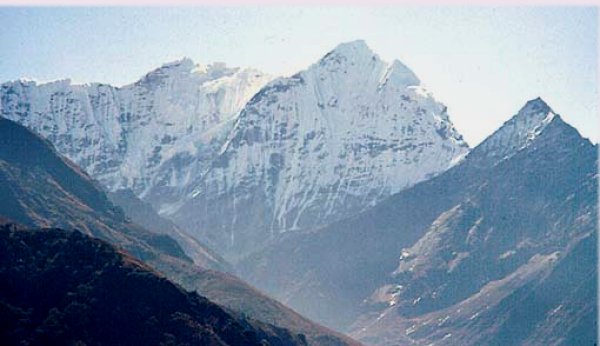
<point x="65" y="288"/>
<point x="41" y="189"/>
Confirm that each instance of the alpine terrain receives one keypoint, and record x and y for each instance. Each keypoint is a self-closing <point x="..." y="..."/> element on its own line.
<point x="330" y="141"/>
<point x="343" y="191"/>
<point x="41" y="189"/>
<point x="498" y="250"/>
<point x="153" y="136"/>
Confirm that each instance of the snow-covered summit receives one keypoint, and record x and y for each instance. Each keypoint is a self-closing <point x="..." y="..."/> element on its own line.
<point x="183" y="64"/>
<point x="402" y="75"/>
<point x="353" y="53"/>
<point x="186" y="68"/>
<point x="516" y="133"/>
<point x="329" y="141"/>
<point x="356" y="57"/>
<point x="151" y="136"/>
<point x="356" y="47"/>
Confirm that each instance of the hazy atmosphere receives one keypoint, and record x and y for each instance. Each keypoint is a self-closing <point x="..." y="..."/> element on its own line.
<point x="299" y="176"/>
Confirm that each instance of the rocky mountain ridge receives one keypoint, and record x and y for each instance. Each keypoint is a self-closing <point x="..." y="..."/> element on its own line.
<point x="330" y="141"/>
<point x="426" y="264"/>
<point x="152" y="136"/>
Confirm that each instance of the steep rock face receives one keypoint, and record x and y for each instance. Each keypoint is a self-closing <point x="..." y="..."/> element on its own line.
<point x="152" y="136"/>
<point x="39" y="188"/>
<point x="144" y="215"/>
<point x="332" y="140"/>
<point x="474" y="242"/>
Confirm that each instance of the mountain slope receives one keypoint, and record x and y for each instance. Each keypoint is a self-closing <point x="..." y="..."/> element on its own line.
<point x="517" y="258"/>
<point x="499" y="221"/>
<point x="151" y="136"/>
<point x="105" y="297"/>
<point x="550" y="300"/>
<point x="144" y="215"/>
<point x="38" y="188"/>
<point x="328" y="142"/>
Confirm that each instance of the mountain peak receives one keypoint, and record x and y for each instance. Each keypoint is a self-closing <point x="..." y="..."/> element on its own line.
<point x="166" y="71"/>
<point x="535" y="114"/>
<point x="349" y="117"/>
<point x="516" y="133"/>
<point x="186" y="68"/>
<point x="353" y="46"/>
<point x="535" y="106"/>
<point x="402" y="74"/>
<point x="352" y="51"/>
<point x="184" y="64"/>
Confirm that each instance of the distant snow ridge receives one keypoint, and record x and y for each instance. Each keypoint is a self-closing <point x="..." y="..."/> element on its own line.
<point x="152" y="136"/>
<point x="237" y="164"/>
<point x="327" y="142"/>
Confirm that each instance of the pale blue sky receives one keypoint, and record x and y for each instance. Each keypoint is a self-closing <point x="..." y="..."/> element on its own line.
<point x="482" y="62"/>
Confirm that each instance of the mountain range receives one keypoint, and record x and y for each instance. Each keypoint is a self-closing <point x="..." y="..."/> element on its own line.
<point x="304" y="151"/>
<point x="343" y="191"/>
<point x="152" y="136"/>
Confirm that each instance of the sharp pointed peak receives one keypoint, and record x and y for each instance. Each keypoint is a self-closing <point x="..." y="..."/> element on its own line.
<point x="536" y="113"/>
<point x="398" y="64"/>
<point x="355" y="44"/>
<point x="351" y="48"/>
<point x="402" y="73"/>
<point x="519" y="131"/>
<point x="535" y="106"/>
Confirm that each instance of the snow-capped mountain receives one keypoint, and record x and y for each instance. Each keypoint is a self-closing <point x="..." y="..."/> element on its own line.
<point x="501" y="249"/>
<point x="152" y="136"/>
<point x="329" y="141"/>
<point x="237" y="164"/>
